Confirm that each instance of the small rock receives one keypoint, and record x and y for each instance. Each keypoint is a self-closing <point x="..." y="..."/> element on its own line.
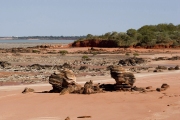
<point x="68" y="118"/>
<point x="27" y="90"/>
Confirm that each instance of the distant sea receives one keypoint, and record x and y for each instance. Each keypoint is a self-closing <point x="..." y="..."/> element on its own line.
<point x="37" y="41"/>
<point x="30" y="43"/>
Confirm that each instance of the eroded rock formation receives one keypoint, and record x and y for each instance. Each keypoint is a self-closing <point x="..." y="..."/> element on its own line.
<point x="121" y="77"/>
<point x="65" y="79"/>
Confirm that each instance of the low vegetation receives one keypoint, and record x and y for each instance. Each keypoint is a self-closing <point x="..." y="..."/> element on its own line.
<point x="148" y="35"/>
<point x="63" y="52"/>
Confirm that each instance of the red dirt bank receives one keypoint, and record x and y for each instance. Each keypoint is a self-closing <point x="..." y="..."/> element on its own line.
<point x="112" y="44"/>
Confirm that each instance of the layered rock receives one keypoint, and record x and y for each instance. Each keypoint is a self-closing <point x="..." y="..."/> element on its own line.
<point x="64" y="82"/>
<point x="90" y="88"/>
<point x="121" y="77"/>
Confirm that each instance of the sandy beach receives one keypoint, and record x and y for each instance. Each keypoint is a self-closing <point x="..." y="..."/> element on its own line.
<point x="115" y="105"/>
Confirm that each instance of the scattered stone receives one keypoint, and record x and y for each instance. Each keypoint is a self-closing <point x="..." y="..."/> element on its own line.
<point x="83" y="68"/>
<point x="75" y="88"/>
<point x="149" y="87"/>
<point x="84" y="117"/>
<point x="166" y="58"/>
<point x="140" y="89"/>
<point x="107" y="87"/>
<point x="161" y="67"/>
<point x="67" y="66"/>
<point x="27" y="90"/>
<point x="163" y="87"/>
<point x="90" y="88"/>
<point x="132" y="61"/>
<point x="158" y="89"/>
<point x="68" y="118"/>
<point x="171" y="68"/>
<point x="177" y="67"/>
<point x="4" y="64"/>
<point x="158" y="70"/>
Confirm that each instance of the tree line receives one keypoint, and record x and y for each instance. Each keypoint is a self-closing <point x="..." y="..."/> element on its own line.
<point x="147" y="35"/>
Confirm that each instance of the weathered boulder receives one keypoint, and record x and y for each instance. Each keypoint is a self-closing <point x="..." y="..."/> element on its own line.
<point x="62" y="80"/>
<point x="90" y="88"/>
<point x="122" y="77"/>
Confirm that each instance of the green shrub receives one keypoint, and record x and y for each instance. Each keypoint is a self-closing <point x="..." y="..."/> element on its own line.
<point x="94" y="53"/>
<point x="35" y="51"/>
<point x="63" y="52"/>
<point x="85" y="58"/>
<point x="127" y="54"/>
<point x="136" y="54"/>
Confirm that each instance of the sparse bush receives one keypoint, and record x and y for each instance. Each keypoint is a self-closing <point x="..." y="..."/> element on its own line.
<point x="35" y="51"/>
<point x="127" y="54"/>
<point x="136" y="54"/>
<point x="94" y="53"/>
<point x="85" y="58"/>
<point x="63" y="52"/>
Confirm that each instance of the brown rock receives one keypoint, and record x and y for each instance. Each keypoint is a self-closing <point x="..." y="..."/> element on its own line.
<point x="84" y="117"/>
<point x="120" y="76"/>
<point x="62" y="80"/>
<point x="27" y="90"/>
<point x="165" y="86"/>
<point x="149" y="87"/>
<point x="68" y="118"/>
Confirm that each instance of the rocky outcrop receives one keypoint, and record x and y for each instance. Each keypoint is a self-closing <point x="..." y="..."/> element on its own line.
<point x="64" y="82"/>
<point x="132" y="61"/>
<point x="90" y="88"/>
<point x="122" y="78"/>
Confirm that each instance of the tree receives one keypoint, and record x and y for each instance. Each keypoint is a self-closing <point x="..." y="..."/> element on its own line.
<point x="89" y="36"/>
<point x="107" y="35"/>
<point x="131" y="32"/>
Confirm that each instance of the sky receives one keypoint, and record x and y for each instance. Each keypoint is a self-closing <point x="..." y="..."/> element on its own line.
<point x="82" y="17"/>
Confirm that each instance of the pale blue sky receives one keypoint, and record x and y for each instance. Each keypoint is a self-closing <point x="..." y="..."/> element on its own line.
<point x="81" y="17"/>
